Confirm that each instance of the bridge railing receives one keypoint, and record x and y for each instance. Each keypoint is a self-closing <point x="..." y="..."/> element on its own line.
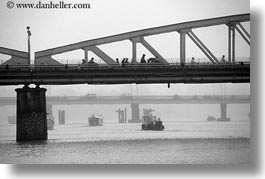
<point x="76" y="67"/>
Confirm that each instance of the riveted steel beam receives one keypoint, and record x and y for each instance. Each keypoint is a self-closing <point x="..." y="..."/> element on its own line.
<point x="244" y="30"/>
<point x="233" y="43"/>
<point x="204" y="46"/>
<point x="242" y="35"/>
<point x="153" y="51"/>
<point x="86" y="55"/>
<point x="101" y="54"/>
<point x="201" y="48"/>
<point x="134" y="48"/>
<point x="229" y="42"/>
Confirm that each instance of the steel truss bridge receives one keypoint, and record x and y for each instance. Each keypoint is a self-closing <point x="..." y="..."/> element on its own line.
<point x="47" y="70"/>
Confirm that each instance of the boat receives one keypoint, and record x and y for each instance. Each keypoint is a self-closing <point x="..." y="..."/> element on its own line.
<point x="150" y="123"/>
<point x="50" y="123"/>
<point x="211" y="118"/>
<point x="12" y="119"/>
<point x="95" y="120"/>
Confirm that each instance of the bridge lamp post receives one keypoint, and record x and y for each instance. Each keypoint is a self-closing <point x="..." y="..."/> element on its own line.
<point x="29" y="34"/>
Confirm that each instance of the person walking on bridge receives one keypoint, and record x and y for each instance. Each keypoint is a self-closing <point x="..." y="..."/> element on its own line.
<point x="143" y="59"/>
<point x="92" y="60"/>
<point x="192" y="61"/>
<point x="223" y="59"/>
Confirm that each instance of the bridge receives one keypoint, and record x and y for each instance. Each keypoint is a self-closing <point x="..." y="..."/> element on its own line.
<point x="135" y="101"/>
<point x="46" y="70"/>
<point x="127" y="99"/>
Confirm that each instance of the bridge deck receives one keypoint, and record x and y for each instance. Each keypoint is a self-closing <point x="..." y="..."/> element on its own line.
<point x="130" y="73"/>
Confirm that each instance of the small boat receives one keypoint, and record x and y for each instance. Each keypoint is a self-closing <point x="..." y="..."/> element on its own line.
<point x="95" y="120"/>
<point x="150" y="123"/>
<point x="211" y="118"/>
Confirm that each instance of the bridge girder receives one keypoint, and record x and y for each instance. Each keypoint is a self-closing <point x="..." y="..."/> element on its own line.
<point x="138" y="36"/>
<point x="17" y="57"/>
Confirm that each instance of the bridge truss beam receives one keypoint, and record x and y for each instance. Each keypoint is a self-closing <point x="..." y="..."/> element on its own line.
<point x="17" y="57"/>
<point x="140" y="34"/>
<point x="101" y="54"/>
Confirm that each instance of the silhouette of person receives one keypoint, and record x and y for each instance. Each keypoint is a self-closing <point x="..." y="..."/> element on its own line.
<point x="91" y="60"/>
<point x="122" y="62"/>
<point x="223" y="59"/>
<point x="143" y="59"/>
<point x="192" y="61"/>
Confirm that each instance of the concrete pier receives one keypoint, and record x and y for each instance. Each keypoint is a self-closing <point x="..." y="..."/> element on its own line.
<point x="31" y="114"/>
<point x="223" y="107"/>
<point x="135" y="113"/>
<point x="61" y="117"/>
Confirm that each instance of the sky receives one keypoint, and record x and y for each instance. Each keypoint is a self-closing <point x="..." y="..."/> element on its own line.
<point x="55" y="27"/>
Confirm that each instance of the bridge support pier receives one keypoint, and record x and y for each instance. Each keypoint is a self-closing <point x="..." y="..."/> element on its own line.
<point x="61" y="117"/>
<point x="31" y="114"/>
<point x="223" y="107"/>
<point x="135" y="113"/>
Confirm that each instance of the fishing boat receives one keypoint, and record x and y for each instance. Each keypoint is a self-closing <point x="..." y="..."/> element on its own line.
<point x="151" y="123"/>
<point x="95" y="120"/>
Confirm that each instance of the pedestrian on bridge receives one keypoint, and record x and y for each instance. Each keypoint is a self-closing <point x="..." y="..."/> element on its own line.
<point x="143" y="59"/>
<point x="223" y="59"/>
<point x="192" y="61"/>
<point x="92" y="60"/>
<point x="123" y="62"/>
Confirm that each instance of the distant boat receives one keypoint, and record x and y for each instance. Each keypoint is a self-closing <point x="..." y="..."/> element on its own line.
<point x="95" y="120"/>
<point x="12" y="119"/>
<point x="150" y="123"/>
<point x="211" y="118"/>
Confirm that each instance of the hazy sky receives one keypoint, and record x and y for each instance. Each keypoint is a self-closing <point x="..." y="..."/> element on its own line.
<point x="55" y="27"/>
